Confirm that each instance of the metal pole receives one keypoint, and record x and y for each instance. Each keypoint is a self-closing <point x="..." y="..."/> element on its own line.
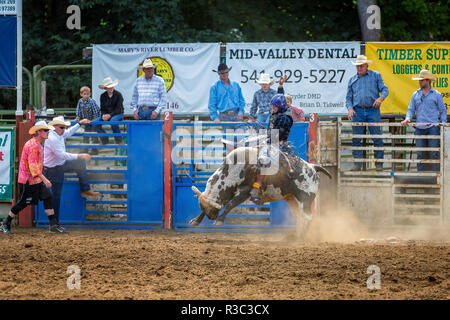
<point x="19" y="111"/>
<point x="38" y="74"/>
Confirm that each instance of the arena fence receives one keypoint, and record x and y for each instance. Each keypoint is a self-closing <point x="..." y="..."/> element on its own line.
<point x="136" y="184"/>
<point x="129" y="177"/>
<point x="400" y="194"/>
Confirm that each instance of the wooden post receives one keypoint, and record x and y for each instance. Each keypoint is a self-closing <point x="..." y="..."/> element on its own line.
<point x="26" y="216"/>
<point x="313" y="149"/>
<point x="168" y="166"/>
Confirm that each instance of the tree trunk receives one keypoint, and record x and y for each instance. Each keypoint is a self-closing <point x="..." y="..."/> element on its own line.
<point x="370" y="20"/>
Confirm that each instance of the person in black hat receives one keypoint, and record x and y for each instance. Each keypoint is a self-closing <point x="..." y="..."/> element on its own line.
<point x="226" y="102"/>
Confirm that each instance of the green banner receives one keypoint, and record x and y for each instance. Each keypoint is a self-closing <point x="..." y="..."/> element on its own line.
<point x="6" y="164"/>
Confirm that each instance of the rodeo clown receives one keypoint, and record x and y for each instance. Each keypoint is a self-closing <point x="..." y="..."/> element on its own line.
<point x="280" y="124"/>
<point x="33" y="185"/>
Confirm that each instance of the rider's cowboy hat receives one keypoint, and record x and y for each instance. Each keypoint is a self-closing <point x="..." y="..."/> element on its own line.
<point x="59" y="121"/>
<point x="40" y="125"/>
<point x="360" y="59"/>
<point x="265" y="79"/>
<point x="424" y="74"/>
<point x="108" y="83"/>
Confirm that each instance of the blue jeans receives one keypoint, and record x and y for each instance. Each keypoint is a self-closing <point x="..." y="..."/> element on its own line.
<point x="56" y="177"/>
<point x="367" y="115"/>
<point x="263" y="118"/>
<point x="428" y="143"/>
<point x="146" y="114"/>
<point x="115" y="128"/>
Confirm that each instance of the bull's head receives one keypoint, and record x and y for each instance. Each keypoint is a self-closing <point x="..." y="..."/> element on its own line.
<point x="208" y="206"/>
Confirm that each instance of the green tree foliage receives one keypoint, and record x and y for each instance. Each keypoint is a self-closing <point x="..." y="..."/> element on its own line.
<point x="47" y="40"/>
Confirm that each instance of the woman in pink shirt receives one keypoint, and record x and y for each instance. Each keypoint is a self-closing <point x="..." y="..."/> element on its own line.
<point x="33" y="185"/>
<point x="297" y="114"/>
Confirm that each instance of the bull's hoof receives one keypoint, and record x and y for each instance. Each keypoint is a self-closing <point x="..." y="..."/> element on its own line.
<point x="194" y="222"/>
<point x="218" y="223"/>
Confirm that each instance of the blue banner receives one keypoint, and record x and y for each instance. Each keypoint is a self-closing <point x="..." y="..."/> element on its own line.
<point x="8" y="30"/>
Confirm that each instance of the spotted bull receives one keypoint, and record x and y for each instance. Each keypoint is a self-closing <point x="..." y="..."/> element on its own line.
<point x="231" y="183"/>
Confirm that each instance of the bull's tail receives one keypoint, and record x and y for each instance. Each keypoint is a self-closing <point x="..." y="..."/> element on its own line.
<point x="322" y="169"/>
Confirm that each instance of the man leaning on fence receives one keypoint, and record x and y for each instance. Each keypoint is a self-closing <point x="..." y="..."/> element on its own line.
<point x="226" y="102"/>
<point x="149" y="94"/>
<point x="428" y="105"/>
<point x="365" y="93"/>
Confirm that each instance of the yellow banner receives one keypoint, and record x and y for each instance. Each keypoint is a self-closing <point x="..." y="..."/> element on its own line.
<point x="399" y="62"/>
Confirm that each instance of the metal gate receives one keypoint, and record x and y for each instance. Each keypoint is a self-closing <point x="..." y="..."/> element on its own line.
<point x="129" y="177"/>
<point x="399" y="194"/>
<point x="197" y="153"/>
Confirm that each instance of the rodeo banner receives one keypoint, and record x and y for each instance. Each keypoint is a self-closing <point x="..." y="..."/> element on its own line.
<point x="399" y="62"/>
<point x="317" y="72"/>
<point x="6" y="165"/>
<point x="185" y="67"/>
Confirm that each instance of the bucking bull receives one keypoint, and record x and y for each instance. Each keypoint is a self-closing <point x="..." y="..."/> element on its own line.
<point x="296" y="181"/>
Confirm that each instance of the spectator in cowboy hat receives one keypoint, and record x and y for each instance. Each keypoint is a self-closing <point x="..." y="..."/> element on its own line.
<point x="226" y="102"/>
<point x="428" y="105"/>
<point x="365" y="93"/>
<point x="149" y="93"/>
<point x="260" y="109"/>
<point x="57" y="160"/>
<point x="111" y="107"/>
<point x="33" y="184"/>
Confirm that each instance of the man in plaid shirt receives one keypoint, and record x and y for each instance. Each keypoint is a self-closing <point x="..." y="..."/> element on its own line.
<point x="149" y="94"/>
<point x="260" y="109"/>
<point x="87" y="108"/>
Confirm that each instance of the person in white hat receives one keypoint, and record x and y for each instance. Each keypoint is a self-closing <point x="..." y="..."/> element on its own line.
<point x="260" y="109"/>
<point x="33" y="184"/>
<point x="365" y="93"/>
<point x="149" y="94"/>
<point x="57" y="160"/>
<point x="428" y="106"/>
<point x="111" y="107"/>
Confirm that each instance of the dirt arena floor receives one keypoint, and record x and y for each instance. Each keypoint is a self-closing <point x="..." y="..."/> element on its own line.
<point x="161" y="264"/>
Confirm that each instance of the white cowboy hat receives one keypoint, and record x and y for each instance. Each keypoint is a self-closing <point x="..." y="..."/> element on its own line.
<point x="265" y="79"/>
<point x="148" y="64"/>
<point x="424" y="74"/>
<point x="360" y="59"/>
<point x="108" y="83"/>
<point x="39" y="126"/>
<point x="59" y="121"/>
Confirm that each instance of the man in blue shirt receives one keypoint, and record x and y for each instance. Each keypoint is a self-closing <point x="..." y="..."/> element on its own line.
<point x="365" y="93"/>
<point x="428" y="105"/>
<point x="226" y="102"/>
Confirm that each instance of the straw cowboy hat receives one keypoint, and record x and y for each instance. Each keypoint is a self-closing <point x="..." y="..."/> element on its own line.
<point x="59" y="121"/>
<point x="222" y="68"/>
<point x="39" y="126"/>
<point x="108" y="83"/>
<point x="148" y="64"/>
<point x="265" y="79"/>
<point x="424" y="74"/>
<point x="360" y="59"/>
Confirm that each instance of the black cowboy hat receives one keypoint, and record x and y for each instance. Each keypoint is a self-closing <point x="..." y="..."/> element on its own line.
<point x="222" y="68"/>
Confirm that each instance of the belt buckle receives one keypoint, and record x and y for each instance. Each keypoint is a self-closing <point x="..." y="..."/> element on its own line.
<point x="230" y="113"/>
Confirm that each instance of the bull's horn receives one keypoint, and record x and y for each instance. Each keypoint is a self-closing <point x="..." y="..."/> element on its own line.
<point x="197" y="192"/>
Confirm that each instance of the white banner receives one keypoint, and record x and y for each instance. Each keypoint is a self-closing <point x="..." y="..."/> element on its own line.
<point x="185" y="67"/>
<point x="8" y="7"/>
<point x="5" y="158"/>
<point x="317" y="73"/>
